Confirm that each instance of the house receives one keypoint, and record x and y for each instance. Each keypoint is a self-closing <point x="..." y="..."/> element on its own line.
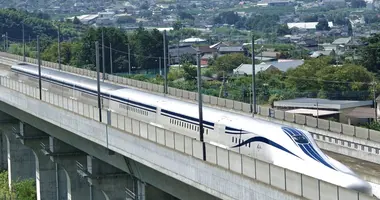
<point x="206" y="50"/>
<point x="342" y="110"/>
<point x="205" y="58"/>
<point x="335" y="3"/>
<point x="175" y="52"/>
<point x="219" y="44"/>
<point x="106" y="18"/>
<point x="284" y="65"/>
<point x="342" y="44"/>
<point x="246" y="69"/>
<point x="317" y="54"/>
<point x="232" y="49"/>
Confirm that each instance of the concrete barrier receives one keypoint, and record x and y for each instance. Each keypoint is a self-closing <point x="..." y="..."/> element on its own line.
<point x="278" y="177"/>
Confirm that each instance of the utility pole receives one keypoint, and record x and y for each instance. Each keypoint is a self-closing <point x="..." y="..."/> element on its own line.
<point x="6" y="41"/>
<point x="111" y="61"/>
<point x="179" y="63"/>
<point x="201" y="130"/>
<point x="165" y="66"/>
<point x="129" y="59"/>
<point x="59" y="47"/>
<point x="23" y="42"/>
<point x="39" y="66"/>
<point x="103" y="56"/>
<point x="159" y="65"/>
<point x="98" y="78"/>
<point x="374" y="99"/>
<point x="253" y="77"/>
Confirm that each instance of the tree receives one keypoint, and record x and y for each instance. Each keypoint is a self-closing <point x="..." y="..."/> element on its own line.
<point x="229" y="17"/>
<point x="283" y="30"/>
<point x="323" y="25"/>
<point x="345" y="82"/>
<point x="371" y="53"/>
<point x="349" y="29"/>
<point x="187" y="58"/>
<point x="116" y="37"/>
<point x="177" y="25"/>
<point x="358" y="3"/>
<point x="229" y="62"/>
<point x="147" y="47"/>
<point x="185" y="15"/>
<point x="190" y="72"/>
<point x="126" y="20"/>
<point x="76" y="21"/>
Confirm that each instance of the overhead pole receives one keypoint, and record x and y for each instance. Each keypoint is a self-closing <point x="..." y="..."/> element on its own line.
<point x="199" y="81"/>
<point x="39" y="66"/>
<point x="23" y="42"/>
<point x="129" y="59"/>
<point x="159" y="66"/>
<point x="6" y="41"/>
<point x="374" y="99"/>
<point x="111" y="61"/>
<point x="98" y="78"/>
<point x="103" y="56"/>
<point x="59" y="47"/>
<point x="253" y="108"/>
<point x="165" y="66"/>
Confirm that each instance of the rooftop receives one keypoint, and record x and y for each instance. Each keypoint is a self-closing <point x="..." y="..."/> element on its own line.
<point x="342" y="41"/>
<point x="312" y="112"/>
<point x="306" y="25"/>
<point x="247" y="68"/>
<point x="193" y="40"/>
<point x="231" y="49"/>
<point x="321" y="103"/>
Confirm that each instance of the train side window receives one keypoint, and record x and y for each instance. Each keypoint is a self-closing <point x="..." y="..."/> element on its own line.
<point x="232" y="139"/>
<point x="249" y="145"/>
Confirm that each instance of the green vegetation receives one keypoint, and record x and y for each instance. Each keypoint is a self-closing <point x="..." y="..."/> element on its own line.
<point x="315" y="78"/>
<point x="34" y="24"/>
<point x="25" y="190"/>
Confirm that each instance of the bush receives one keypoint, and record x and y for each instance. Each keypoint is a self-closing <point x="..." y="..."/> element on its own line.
<point x="25" y="190"/>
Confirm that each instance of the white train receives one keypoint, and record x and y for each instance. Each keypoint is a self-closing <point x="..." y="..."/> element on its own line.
<point x="286" y="147"/>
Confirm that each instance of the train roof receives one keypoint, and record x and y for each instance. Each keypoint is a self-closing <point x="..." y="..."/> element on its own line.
<point x="66" y="77"/>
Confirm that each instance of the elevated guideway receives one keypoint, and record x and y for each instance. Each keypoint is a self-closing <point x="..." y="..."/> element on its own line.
<point x="345" y="139"/>
<point x="225" y="174"/>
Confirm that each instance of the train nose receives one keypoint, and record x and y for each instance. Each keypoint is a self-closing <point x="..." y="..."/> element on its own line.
<point x="361" y="186"/>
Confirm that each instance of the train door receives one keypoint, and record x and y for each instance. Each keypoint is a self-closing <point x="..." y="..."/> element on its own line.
<point x="218" y="137"/>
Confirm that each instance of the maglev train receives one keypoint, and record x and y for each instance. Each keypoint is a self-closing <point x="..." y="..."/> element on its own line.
<point x="287" y="147"/>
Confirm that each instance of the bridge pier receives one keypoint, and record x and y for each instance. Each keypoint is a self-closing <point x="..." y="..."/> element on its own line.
<point x="67" y="156"/>
<point x="47" y="173"/>
<point x="113" y="182"/>
<point x="13" y="155"/>
<point x="18" y="156"/>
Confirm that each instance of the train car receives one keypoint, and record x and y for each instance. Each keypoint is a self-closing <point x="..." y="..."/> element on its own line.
<point x="283" y="146"/>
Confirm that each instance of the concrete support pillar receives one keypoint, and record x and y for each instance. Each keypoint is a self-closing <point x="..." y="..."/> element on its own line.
<point x="46" y="170"/>
<point x="67" y="157"/>
<point x="3" y="151"/>
<point x="110" y="180"/>
<point x="21" y="160"/>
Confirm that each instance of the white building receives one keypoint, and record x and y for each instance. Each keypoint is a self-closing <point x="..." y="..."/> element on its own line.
<point x="193" y="40"/>
<point x="106" y="18"/>
<point x="306" y="25"/>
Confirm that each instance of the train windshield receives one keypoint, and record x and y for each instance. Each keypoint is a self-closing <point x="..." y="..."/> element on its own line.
<point x="300" y="139"/>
